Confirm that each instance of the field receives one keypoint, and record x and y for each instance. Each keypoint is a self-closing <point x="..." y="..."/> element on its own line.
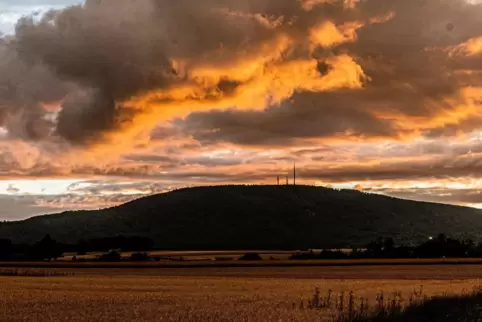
<point x="191" y="255"/>
<point x="213" y="294"/>
<point x="201" y="262"/>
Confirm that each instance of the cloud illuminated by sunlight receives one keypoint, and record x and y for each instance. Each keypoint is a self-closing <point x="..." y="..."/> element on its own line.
<point x="100" y="104"/>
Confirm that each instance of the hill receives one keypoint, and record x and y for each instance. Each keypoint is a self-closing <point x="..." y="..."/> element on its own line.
<point x="256" y="217"/>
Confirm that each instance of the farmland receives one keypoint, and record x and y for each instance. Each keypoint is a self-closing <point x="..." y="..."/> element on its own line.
<point x="208" y="294"/>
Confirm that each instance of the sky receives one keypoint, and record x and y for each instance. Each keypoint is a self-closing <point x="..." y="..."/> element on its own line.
<point x="101" y="104"/>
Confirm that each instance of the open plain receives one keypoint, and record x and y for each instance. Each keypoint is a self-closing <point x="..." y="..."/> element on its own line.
<point x="214" y="294"/>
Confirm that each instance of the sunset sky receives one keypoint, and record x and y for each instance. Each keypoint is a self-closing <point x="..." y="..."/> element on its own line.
<point x="109" y="100"/>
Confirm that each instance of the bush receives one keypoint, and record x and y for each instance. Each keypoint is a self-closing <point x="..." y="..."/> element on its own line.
<point x="250" y="257"/>
<point x="140" y="257"/>
<point x="112" y="256"/>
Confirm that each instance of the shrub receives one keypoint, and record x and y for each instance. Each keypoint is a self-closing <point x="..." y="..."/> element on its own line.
<point x="112" y="256"/>
<point x="346" y="307"/>
<point x="140" y="257"/>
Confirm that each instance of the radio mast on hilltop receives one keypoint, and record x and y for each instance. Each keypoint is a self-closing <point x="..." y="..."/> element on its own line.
<point x="294" y="173"/>
<point x="287" y="177"/>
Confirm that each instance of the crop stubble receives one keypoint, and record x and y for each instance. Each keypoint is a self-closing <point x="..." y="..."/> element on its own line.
<point x="97" y="295"/>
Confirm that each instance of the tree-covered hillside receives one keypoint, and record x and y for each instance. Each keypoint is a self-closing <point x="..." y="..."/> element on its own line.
<point x="256" y="217"/>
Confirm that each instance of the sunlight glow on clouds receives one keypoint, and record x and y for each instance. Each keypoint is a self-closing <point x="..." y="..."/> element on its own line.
<point x="375" y="95"/>
<point x="36" y="187"/>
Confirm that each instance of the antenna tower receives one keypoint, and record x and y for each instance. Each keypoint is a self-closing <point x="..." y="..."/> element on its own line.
<point x="294" y="174"/>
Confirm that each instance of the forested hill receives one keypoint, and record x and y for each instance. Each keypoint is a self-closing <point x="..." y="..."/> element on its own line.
<point x="256" y="217"/>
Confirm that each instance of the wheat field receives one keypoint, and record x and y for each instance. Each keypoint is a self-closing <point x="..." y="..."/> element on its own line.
<point x="135" y="296"/>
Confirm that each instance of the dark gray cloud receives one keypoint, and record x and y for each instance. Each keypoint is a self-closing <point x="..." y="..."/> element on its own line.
<point x="306" y="115"/>
<point x="110" y="54"/>
<point x="23" y="89"/>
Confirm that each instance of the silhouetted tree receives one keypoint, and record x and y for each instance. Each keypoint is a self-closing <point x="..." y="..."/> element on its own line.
<point x="47" y="248"/>
<point x="329" y="254"/>
<point x="443" y="246"/>
<point x="139" y="257"/>
<point x="375" y="248"/>
<point x="441" y="238"/>
<point x="388" y="244"/>
<point x="82" y="247"/>
<point x="6" y="248"/>
<point x="112" y="256"/>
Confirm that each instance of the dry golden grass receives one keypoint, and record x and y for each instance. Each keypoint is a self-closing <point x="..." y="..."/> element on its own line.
<point x="141" y="297"/>
<point x="418" y="272"/>
<point x="35" y="272"/>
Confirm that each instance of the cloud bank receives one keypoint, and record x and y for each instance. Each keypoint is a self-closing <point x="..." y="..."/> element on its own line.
<point x="360" y="92"/>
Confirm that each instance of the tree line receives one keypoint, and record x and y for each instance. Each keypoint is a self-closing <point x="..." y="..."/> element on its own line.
<point x="47" y="248"/>
<point x="441" y="246"/>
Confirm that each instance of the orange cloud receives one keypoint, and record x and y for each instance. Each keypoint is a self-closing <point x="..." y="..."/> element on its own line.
<point x="310" y="4"/>
<point x="471" y="47"/>
<point x="262" y="80"/>
<point x="327" y="34"/>
<point x="358" y="187"/>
